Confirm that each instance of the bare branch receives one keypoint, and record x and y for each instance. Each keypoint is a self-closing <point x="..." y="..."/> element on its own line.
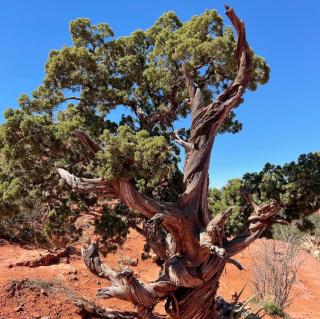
<point x="158" y="240"/>
<point x="206" y="120"/>
<point x="281" y="221"/>
<point x="250" y="201"/>
<point x="70" y="98"/>
<point x="120" y="188"/>
<point x="266" y="215"/>
<point x="90" y="310"/>
<point x="166" y="115"/>
<point x="142" y="203"/>
<point x="235" y="263"/>
<point x="85" y="185"/>
<point x="215" y="228"/>
<point x="92" y="260"/>
<point x="85" y="139"/>
<point x="125" y="285"/>
<point x="187" y="146"/>
<point x="213" y="236"/>
<point x="123" y="190"/>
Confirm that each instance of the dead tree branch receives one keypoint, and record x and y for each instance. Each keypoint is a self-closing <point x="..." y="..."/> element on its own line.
<point x="264" y="216"/>
<point x="125" y="285"/>
<point x="207" y="118"/>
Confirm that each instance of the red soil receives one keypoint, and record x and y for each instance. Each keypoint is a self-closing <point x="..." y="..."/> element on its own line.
<point x="74" y="276"/>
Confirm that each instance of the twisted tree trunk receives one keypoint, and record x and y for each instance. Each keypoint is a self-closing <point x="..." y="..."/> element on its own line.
<point x="192" y="247"/>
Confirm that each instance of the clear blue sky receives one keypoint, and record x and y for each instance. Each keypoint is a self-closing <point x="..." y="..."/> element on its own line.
<point x="281" y="119"/>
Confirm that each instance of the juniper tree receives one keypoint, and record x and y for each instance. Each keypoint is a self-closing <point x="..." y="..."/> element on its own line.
<point x="196" y="66"/>
<point x="295" y="186"/>
<point x="174" y="69"/>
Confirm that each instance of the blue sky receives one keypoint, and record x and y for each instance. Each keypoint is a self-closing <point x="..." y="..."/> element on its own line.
<point x="281" y="119"/>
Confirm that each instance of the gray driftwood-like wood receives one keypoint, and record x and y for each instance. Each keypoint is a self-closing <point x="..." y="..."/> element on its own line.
<point x="191" y="245"/>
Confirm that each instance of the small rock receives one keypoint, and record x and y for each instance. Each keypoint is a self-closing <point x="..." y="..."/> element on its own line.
<point x="18" y="308"/>
<point x="72" y="271"/>
<point x="64" y="260"/>
<point x="129" y="261"/>
<point x="43" y="292"/>
<point x="74" y="278"/>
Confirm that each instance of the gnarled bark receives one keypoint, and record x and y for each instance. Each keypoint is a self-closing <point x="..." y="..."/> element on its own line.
<point x="192" y="247"/>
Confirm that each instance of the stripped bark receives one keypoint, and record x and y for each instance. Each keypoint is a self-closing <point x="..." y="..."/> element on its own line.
<point x="193" y="247"/>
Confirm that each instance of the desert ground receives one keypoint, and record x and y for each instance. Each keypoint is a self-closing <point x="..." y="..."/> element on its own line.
<point x="48" y="291"/>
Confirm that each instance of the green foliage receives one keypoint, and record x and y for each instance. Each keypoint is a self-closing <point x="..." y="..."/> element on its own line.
<point x="136" y="156"/>
<point x="113" y="225"/>
<point x="143" y="70"/>
<point x="311" y="226"/>
<point x="82" y="84"/>
<point x="59" y="227"/>
<point x="230" y="195"/>
<point x="29" y="187"/>
<point x="315" y="220"/>
<point x="273" y="309"/>
<point x="296" y="186"/>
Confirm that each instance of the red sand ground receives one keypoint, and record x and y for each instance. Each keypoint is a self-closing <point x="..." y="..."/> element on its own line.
<point x="32" y="304"/>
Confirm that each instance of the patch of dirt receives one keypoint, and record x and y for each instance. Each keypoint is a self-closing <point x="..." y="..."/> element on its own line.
<point x="306" y="292"/>
<point x="73" y="276"/>
<point x="36" y="299"/>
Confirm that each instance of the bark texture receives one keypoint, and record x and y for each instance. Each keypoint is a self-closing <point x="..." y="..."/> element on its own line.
<point x="190" y="244"/>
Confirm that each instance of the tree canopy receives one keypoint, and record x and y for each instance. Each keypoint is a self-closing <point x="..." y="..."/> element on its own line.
<point x="83" y="82"/>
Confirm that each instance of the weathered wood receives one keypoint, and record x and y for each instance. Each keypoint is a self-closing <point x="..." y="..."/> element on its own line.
<point x="47" y="259"/>
<point x="266" y="215"/>
<point x="122" y="190"/>
<point x="89" y="310"/>
<point x="192" y="247"/>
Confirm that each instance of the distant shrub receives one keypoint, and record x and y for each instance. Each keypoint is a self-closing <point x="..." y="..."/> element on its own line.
<point x="273" y="309"/>
<point x="275" y="268"/>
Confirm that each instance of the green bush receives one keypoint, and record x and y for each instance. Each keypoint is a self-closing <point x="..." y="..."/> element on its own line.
<point x="230" y="195"/>
<point x="273" y="309"/>
<point x="281" y="232"/>
<point x="296" y="186"/>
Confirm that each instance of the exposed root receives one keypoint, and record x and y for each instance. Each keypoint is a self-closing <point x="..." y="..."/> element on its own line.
<point x="88" y="310"/>
<point x="48" y="259"/>
<point x="126" y="286"/>
<point x="235" y="310"/>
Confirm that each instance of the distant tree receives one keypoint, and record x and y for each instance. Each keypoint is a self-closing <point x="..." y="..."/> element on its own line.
<point x="230" y="196"/>
<point x="295" y="186"/>
<point x="171" y="70"/>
